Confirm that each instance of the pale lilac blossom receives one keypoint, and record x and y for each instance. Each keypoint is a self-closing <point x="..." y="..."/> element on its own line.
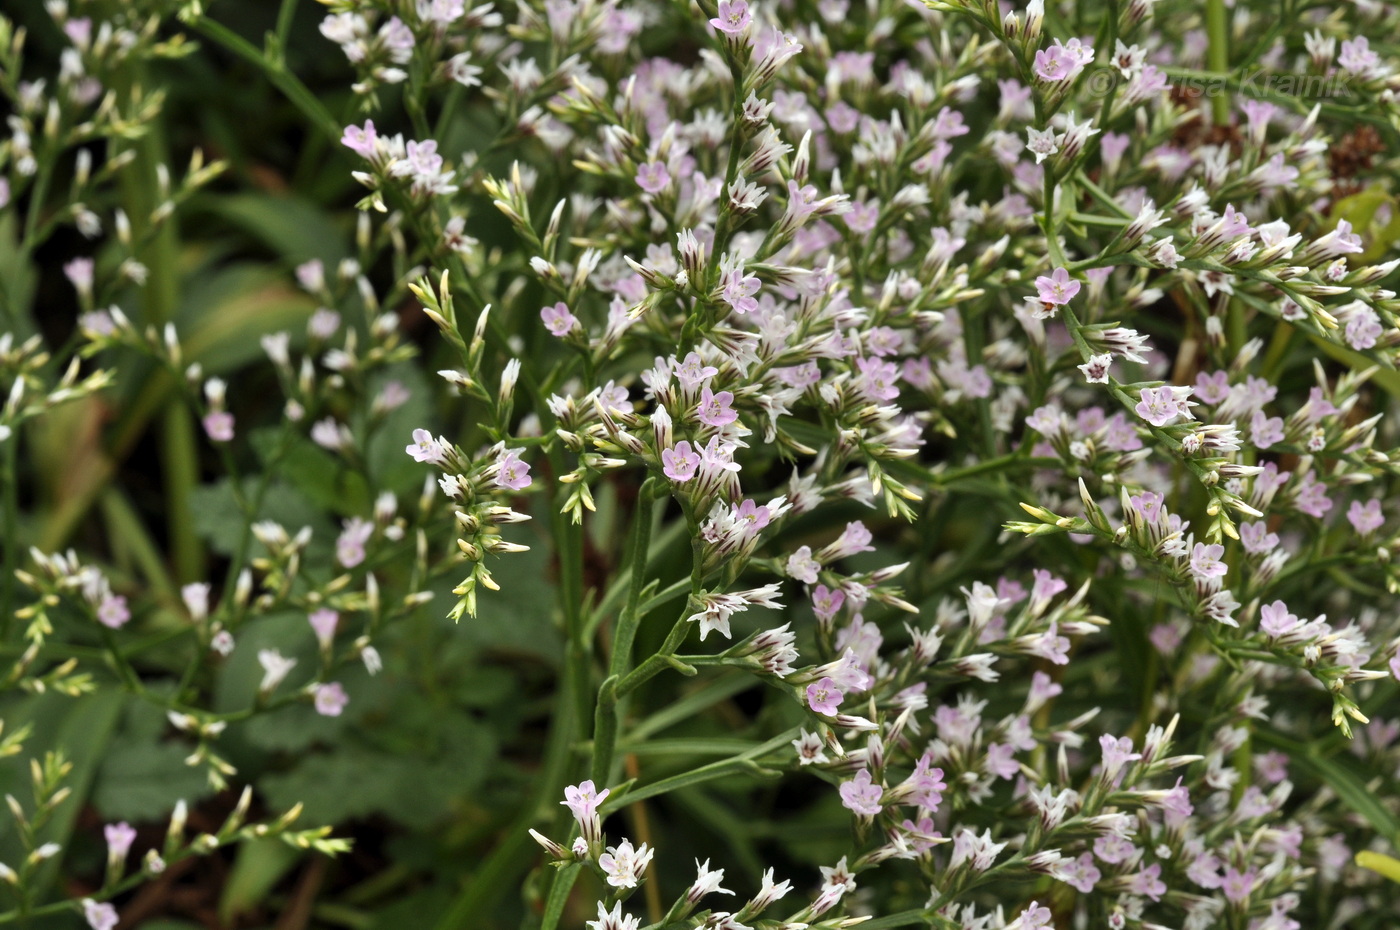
<point x="330" y="699"/>
<point x="823" y="697"/>
<point x="860" y="795"/>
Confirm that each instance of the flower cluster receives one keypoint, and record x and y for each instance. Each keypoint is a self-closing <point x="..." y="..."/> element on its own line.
<point x="990" y="407"/>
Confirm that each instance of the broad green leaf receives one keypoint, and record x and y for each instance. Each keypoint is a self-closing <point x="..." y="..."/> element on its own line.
<point x="296" y="229"/>
<point x="1360" y="211"/>
<point x="1342" y="778"/>
<point x="517" y="618"/>
<point x="141" y="780"/>
<point x="225" y="313"/>
<point x="82" y="728"/>
<point x="385" y="456"/>
<point x="322" y="478"/>
<point x="219" y="520"/>
<point x="260" y="865"/>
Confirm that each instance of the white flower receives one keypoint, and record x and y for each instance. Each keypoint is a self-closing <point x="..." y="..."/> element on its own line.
<point x="624" y="865"/>
<point x="706" y="882"/>
<point x="1041" y="143"/>
<point x="275" y="668"/>
<point x="1096" y="368"/>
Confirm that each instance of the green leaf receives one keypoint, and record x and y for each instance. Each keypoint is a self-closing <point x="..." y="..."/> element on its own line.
<point x="260" y="866"/>
<point x="82" y="728"/>
<point x="419" y="909"/>
<point x="142" y="781"/>
<point x="218" y="519"/>
<point x="518" y="618"/>
<point x="559" y="895"/>
<point x="741" y="764"/>
<point x="294" y="228"/>
<point x="321" y="478"/>
<point x="391" y="468"/>
<point x="225" y="311"/>
<point x="17" y="280"/>
<point x="1339" y="774"/>
<point x="289" y="728"/>
<point x="354" y="782"/>
<point x="1360" y="211"/>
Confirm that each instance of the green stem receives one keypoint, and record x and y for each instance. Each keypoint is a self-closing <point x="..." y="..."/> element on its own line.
<point x="1218" y="56"/>
<point x="606" y="717"/>
<point x="288" y="83"/>
<point x="142" y="196"/>
<point x="285" y="15"/>
<point x="9" y="479"/>
<point x="631" y="617"/>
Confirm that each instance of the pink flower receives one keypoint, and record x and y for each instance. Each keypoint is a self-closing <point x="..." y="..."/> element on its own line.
<point x="1114" y="849"/>
<point x="1057" y="289"/>
<point x="427" y="449"/>
<point x="1080" y="874"/>
<point x="513" y="474"/>
<point x="925" y="786"/>
<point x="79" y="271"/>
<point x="1055" y="64"/>
<point x="860" y="796"/>
<point x="1205" y="561"/>
<point x="119" y="838"/>
<point x="101" y="916"/>
<point x="583" y="799"/>
<point x="112" y="612"/>
<point x="739" y="289"/>
<point x="1148" y="882"/>
<point x="733" y="18"/>
<point x="826" y="602"/>
<point x="350" y="545"/>
<point x="360" y="141"/>
<point x="1256" y="538"/>
<point x="1046" y="587"/>
<point x="693" y="370"/>
<point x="558" y="320"/>
<point x="1036" y="917"/>
<point x="1356" y="56"/>
<point x="679" y="463"/>
<point x="1275" y="619"/>
<point x="218" y="425"/>
<point x="877" y="379"/>
<point x="1265" y="431"/>
<point x="1001" y="761"/>
<point x="653" y="177"/>
<point x="1117" y="752"/>
<point x="323" y="623"/>
<point x="1312" y="498"/>
<point x="714" y="409"/>
<point x="1051" y="646"/>
<point x="1366" y="518"/>
<point x="752" y="517"/>
<point x="1395" y="666"/>
<point x="854" y="538"/>
<point x="1043" y="688"/>
<point x="1158" y="406"/>
<point x="1237" y="884"/>
<point x="331" y="699"/>
<point x="823" y="697"/>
